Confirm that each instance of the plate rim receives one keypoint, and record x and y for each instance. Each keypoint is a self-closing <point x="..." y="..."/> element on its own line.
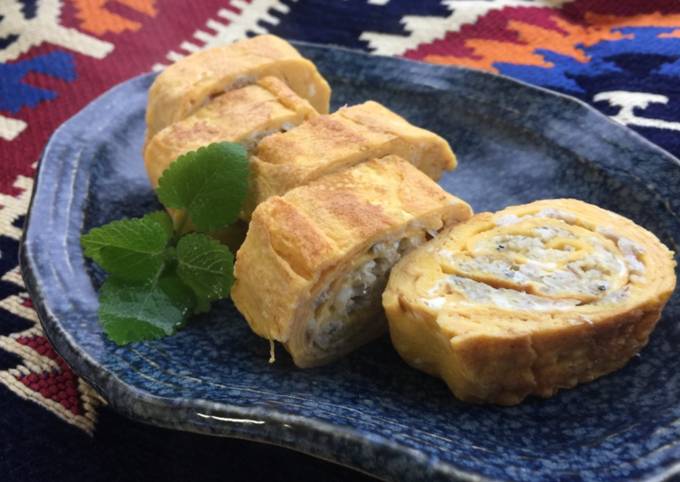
<point x="106" y="381"/>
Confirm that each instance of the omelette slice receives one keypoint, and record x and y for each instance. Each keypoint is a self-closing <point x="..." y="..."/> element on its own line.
<point x="243" y="115"/>
<point x="329" y="143"/>
<point x="190" y="83"/>
<point x="315" y="261"/>
<point x="529" y="300"/>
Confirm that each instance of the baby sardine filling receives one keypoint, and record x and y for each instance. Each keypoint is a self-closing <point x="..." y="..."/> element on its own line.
<point x="350" y="300"/>
<point x="541" y="261"/>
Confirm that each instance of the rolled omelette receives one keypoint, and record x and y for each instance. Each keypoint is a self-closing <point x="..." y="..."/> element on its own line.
<point x="244" y="115"/>
<point x="528" y="300"/>
<point x="315" y="261"/>
<point x="328" y="143"/>
<point x="191" y="82"/>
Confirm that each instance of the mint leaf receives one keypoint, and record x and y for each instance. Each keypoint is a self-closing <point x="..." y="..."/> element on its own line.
<point x="130" y="313"/>
<point x="157" y="278"/>
<point x="131" y="249"/>
<point x="206" y="266"/>
<point x="163" y="219"/>
<point x="202" y="305"/>
<point x="210" y="183"/>
<point x="179" y="293"/>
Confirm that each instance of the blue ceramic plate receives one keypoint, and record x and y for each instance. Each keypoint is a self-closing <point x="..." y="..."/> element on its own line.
<point x="371" y="411"/>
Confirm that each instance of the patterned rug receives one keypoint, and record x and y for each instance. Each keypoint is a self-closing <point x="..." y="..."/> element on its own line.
<point x="621" y="56"/>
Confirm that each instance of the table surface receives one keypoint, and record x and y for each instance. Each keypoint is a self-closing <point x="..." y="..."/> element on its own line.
<point x="622" y="57"/>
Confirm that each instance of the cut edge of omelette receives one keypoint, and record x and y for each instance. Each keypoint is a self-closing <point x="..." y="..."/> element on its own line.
<point x="329" y="143"/>
<point x="497" y="337"/>
<point x="188" y="84"/>
<point x="245" y="115"/>
<point x="312" y="251"/>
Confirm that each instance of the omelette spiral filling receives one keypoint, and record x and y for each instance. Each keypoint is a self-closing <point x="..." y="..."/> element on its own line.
<point x="316" y="260"/>
<point x="528" y="300"/>
<point x="343" y="305"/>
<point x="544" y="260"/>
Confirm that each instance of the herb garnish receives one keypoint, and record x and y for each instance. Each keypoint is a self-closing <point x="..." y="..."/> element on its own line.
<point x="159" y="276"/>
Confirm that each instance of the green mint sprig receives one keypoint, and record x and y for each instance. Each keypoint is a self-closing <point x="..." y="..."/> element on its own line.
<point x="211" y="184"/>
<point x="159" y="276"/>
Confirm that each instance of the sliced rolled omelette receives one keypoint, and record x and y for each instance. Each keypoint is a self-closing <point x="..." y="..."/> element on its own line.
<point x="190" y="83"/>
<point x="528" y="300"/>
<point x="243" y="115"/>
<point x="315" y="261"/>
<point x="329" y="143"/>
